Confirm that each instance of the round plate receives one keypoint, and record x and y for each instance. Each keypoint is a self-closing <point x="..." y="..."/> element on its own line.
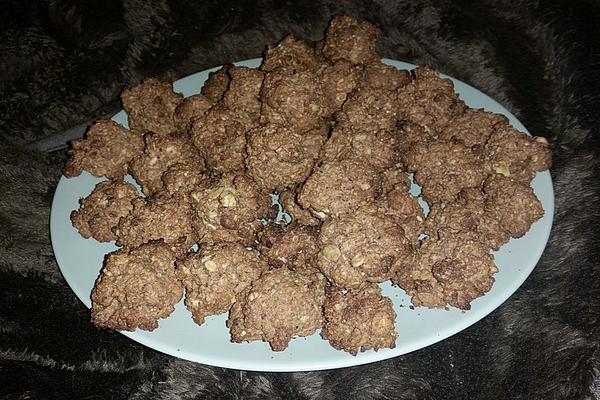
<point x="80" y="261"/>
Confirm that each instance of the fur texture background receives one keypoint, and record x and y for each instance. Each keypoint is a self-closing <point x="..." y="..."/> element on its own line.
<point x="64" y="62"/>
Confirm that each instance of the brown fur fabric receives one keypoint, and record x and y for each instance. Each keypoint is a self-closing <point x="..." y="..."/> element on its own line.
<point x="64" y="62"/>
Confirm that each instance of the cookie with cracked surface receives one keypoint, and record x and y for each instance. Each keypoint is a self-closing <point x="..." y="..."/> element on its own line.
<point x="293" y="246"/>
<point x="339" y="80"/>
<point x="378" y="75"/>
<point x="242" y="95"/>
<point x="188" y="110"/>
<point x="512" y="203"/>
<point x="379" y="148"/>
<point x="473" y="127"/>
<point x="516" y="155"/>
<point x="290" y="52"/>
<point x="220" y="137"/>
<point x="369" y="110"/>
<point x="292" y="98"/>
<point x="466" y="214"/>
<point x="217" y="83"/>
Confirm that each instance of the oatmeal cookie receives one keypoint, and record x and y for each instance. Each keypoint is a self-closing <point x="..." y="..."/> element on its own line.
<point x="150" y="106"/>
<point x="513" y="154"/>
<point x="362" y="246"/>
<point x="445" y="168"/>
<point x="162" y="217"/>
<point x="294" y="246"/>
<point x="106" y="150"/>
<point x="292" y="98"/>
<point x="279" y="157"/>
<point x="429" y="100"/>
<point x="220" y="137"/>
<point x="453" y="270"/>
<point x="101" y="211"/>
<point x="339" y="187"/>
<point x="136" y="288"/>
<point x="215" y="276"/>
<point x="217" y="83"/>
<point x="358" y="320"/>
<point x="279" y="306"/>
<point x="350" y="39"/>
<point x="229" y="210"/>
<point x="290" y="52"/>
<point x="161" y="153"/>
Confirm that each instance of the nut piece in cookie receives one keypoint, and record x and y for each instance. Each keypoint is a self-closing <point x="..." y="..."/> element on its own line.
<point x="512" y="203"/>
<point x="106" y="150"/>
<point x="290" y="52"/>
<point x="443" y="169"/>
<point x="453" y="270"/>
<point x="474" y="127"/>
<point x="282" y="304"/>
<point x="101" y="211"/>
<point x="229" y="210"/>
<point x="515" y="155"/>
<point x="279" y="157"/>
<point x="188" y="110"/>
<point x="358" y="320"/>
<point x="294" y="246"/>
<point x="339" y="187"/>
<point x="161" y="153"/>
<point x="352" y="40"/>
<point x="159" y="217"/>
<point x="429" y="100"/>
<point x="216" y="84"/>
<point x="362" y="246"/>
<point x="136" y="288"/>
<point x="292" y="98"/>
<point x="215" y="276"/>
<point x="220" y="137"/>
<point x="150" y="106"/>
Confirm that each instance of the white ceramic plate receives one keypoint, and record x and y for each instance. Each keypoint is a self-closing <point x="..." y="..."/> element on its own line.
<point x="80" y="261"/>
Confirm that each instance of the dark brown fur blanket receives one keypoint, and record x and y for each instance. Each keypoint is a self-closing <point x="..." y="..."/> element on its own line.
<point x="63" y="64"/>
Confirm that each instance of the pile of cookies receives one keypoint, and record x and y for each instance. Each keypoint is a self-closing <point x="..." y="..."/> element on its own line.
<point x="337" y="135"/>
